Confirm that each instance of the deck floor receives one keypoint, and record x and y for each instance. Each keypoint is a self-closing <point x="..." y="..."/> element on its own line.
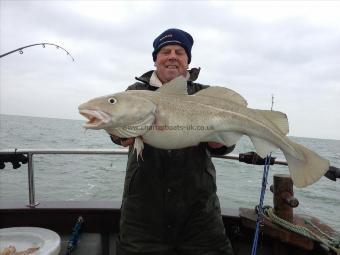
<point x="91" y="244"/>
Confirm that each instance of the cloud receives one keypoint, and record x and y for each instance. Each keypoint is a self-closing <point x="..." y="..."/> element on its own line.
<point x="258" y="49"/>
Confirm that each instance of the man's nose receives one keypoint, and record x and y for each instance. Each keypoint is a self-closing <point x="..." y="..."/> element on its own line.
<point x="173" y="55"/>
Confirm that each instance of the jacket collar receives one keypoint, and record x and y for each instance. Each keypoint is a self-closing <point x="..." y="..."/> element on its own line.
<point x="148" y="79"/>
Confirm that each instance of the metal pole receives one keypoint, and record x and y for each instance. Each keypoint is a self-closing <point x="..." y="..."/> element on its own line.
<point x="31" y="190"/>
<point x="333" y="173"/>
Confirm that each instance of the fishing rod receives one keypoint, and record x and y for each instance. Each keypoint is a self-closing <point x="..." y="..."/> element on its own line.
<point x="253" y="158"/>
<point x="20" y="50"/>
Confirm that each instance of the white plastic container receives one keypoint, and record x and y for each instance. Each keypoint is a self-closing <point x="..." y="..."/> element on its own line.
<point x="23" y="238"/>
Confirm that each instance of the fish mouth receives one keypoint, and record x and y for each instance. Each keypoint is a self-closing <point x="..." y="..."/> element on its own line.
<point x="96" y="119"/>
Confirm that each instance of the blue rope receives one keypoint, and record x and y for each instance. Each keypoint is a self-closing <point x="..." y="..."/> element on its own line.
<point x="73" y="241"/>
<point x="260" y="206"/>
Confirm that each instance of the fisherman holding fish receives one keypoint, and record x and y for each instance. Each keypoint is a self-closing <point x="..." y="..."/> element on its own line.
<point x="170" y="205"/>
<point x="169" y="202"/>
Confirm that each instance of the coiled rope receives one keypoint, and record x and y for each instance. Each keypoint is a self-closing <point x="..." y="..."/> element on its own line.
<point x="331" y="243"/>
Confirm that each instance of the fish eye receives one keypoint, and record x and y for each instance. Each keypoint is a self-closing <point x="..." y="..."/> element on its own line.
<point x="112" y="100"/>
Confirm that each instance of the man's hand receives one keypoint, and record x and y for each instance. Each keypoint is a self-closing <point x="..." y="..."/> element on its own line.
<point x="215" y="145"/>
<point x="127" y="141"/>
<point x="122" y="141"/>
<point x="219" y="149"/>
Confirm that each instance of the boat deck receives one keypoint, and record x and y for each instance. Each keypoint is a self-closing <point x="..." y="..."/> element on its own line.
<point x="101" y="221"/>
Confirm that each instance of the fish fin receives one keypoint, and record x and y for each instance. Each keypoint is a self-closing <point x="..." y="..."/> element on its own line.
<point x="308" y="170"/>
<point x="160" y="122"/>
<point x="138" y="146"/>
<point x="222" y="93"/>
<point x="278" y="118"/>
<point x="262" y="147"/>
<point x="177" y="86"/>
<point x="226" y="138"/>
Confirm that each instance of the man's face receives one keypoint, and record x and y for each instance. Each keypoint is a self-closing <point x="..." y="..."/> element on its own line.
<point x="171" y="62"/>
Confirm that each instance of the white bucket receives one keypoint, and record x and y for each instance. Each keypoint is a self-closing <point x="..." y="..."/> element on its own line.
<point x="23" y="238"/>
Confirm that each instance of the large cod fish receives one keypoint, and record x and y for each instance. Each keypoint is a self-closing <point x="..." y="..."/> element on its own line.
<point x="169" y="118"/>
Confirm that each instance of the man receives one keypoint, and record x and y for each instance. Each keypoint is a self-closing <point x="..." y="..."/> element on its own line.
<point x="169" y="203"/>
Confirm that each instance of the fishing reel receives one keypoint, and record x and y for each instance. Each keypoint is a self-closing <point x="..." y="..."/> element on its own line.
<point x="254" y="159"/>
<point x="16" y="159"/>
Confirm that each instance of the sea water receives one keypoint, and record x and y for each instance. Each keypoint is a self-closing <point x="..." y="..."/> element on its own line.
<point x="101" y="177"/>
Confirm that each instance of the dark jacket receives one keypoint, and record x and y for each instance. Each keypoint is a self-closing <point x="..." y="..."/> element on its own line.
<point x="169" y="199"/>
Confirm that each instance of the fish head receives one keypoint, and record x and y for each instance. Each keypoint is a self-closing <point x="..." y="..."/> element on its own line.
<point x="118" y="111"/>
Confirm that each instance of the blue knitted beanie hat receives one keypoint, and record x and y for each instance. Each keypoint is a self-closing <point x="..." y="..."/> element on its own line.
<point x="173" y="36"/>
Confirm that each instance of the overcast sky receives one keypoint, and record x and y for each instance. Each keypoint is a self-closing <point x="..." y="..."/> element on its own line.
<point x="259" y="48"/>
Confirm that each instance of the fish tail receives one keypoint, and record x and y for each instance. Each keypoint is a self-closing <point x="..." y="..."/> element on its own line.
<point x="306" y="169"/>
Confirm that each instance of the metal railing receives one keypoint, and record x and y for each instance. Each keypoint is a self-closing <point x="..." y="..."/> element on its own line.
<point x="30" y="164"/>
<point x="31" y="152"/>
